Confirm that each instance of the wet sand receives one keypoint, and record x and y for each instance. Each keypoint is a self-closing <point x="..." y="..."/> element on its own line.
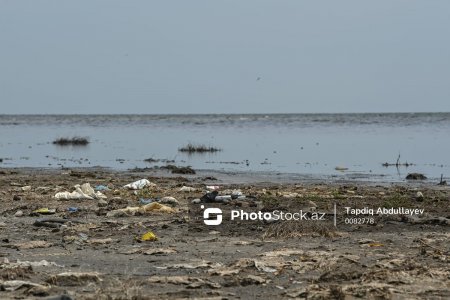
<point x="94" y="255"/>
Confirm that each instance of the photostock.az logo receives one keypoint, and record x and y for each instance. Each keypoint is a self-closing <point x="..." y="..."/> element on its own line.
<point x="212" y="211"/>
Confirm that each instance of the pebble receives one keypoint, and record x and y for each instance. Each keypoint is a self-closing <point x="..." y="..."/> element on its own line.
<point x="18" y="213"/>
<point x="196" y="201"/>
<point x="26" y="188"/>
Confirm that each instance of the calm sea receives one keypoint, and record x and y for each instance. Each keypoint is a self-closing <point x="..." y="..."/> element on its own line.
<point x="312" y="144"/>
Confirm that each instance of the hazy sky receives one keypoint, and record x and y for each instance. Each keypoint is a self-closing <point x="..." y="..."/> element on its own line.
<point x="108" y="56"/>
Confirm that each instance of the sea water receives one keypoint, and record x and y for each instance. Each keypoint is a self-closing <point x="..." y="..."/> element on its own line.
<point x="312" y="144"/>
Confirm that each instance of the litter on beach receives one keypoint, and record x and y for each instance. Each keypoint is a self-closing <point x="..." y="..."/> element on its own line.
<point x="139" y="184"/>
<point x="85" y="191"/>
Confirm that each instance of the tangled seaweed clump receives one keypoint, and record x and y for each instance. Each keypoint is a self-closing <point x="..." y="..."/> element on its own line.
<point x="74" y="141"/>
<point x="191" y="148"/>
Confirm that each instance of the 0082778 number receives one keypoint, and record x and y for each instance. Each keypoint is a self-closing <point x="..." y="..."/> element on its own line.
<point x="359" y="221"/>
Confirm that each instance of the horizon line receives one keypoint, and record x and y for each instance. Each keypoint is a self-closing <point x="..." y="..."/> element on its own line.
<point x="243" y="113"/>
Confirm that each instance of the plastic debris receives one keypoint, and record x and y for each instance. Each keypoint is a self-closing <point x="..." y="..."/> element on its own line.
<point x="235" y="194"/>
<point x="186" y="189"/>
<point x="169" y="200"/>
<point x="72" y="209"/>
<point x="139" y="185"/>
<point x="12" y="285"/>
<point x="212" y="188"/>
<point x="101" y="188"/>
<point x="214" y="197"/>
<point x="100" y="241"/>
<point x="149" y="208"/>
<point x="26" y="188"/>
<point x="74" y="278"/>
<point x="83" y="236"/>
<point x="145" y="201"/>
<point x="148" y="237"/>
<point x="49" y="222"/>
<point x="289" y="195"/>
<point x="223" y="198"/>
<point x="33" y="245"/>
<point x="419" y="196"/>
<point x="209" y="197"/>
<point x="42" y="263"/>
<point x="45" y="211"/>
<point x="85" y="191"/>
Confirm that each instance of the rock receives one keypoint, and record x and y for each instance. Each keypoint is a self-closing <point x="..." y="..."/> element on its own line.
<point x="18" y="213"/>
<point x="102" y="203"/>
<point x="17" y="198"/>
<point x="415" y="176"/>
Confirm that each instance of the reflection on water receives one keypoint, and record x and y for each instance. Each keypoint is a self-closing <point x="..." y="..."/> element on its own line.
<point x="290" y="143"/>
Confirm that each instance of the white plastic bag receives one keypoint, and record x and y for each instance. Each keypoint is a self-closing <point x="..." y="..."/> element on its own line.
<point x="138" y="185"/>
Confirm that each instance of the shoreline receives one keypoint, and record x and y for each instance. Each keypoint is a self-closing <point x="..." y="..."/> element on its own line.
<point x="242" y="177"/>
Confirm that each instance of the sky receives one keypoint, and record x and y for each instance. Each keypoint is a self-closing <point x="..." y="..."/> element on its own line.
<point x="233" y="56"/>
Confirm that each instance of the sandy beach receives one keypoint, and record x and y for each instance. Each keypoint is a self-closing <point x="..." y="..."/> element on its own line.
<point x="84" y="249"/>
